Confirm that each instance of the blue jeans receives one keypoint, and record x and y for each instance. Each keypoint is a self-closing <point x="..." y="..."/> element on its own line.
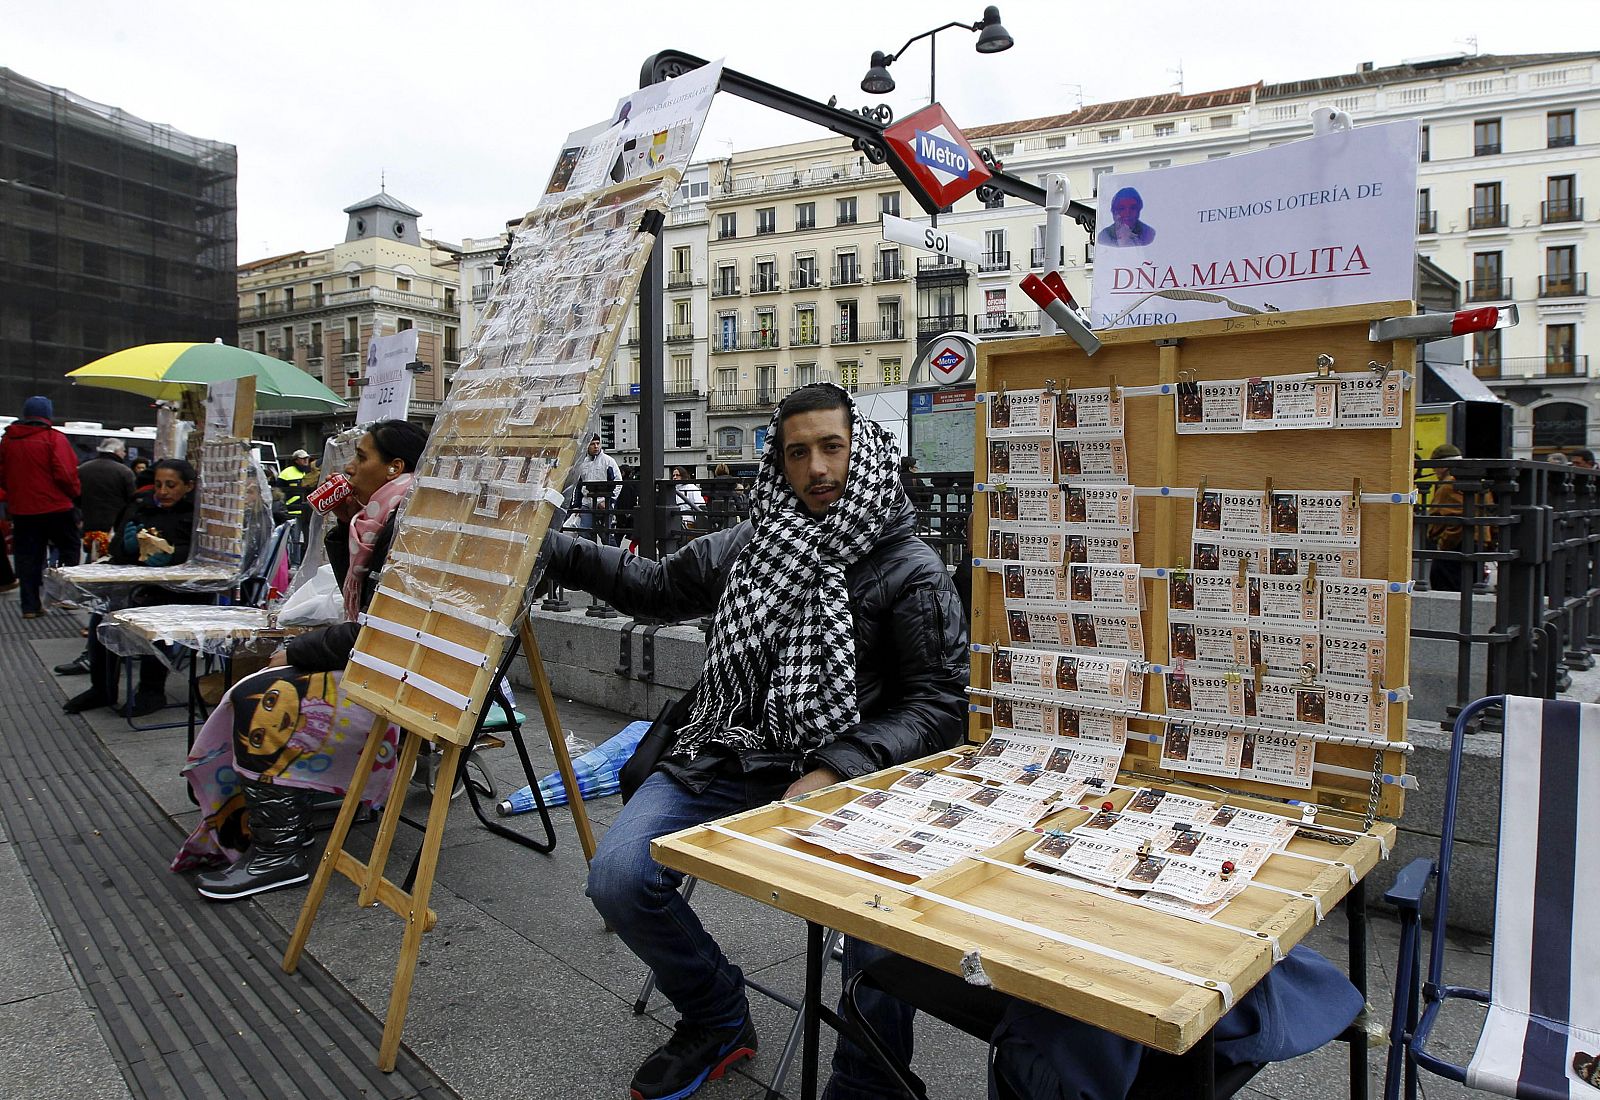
<point x="639" y="898"/>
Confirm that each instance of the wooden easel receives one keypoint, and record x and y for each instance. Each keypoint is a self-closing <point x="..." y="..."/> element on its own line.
<point x="369" y="876"/>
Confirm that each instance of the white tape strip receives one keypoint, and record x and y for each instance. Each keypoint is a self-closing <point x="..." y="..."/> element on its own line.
<point x="1408" y="782"/>
<point x="462" y="653"/>
<point x="1027" y="927"/>
<point x="1103" y="892"/>
<point x="454" y="527"/>
<point x="1202" y="722"/>
<point x="467" y="571"/>
<point x="471" y="618"/>
<point x="1303" y="895"/>
<point x="416" y="680"/>
<point x="1349" y="868"/>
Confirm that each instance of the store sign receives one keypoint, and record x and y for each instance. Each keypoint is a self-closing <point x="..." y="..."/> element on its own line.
<point x="1325" y="221"/>
<point x="951" y="358"/>
<point x="935" y="152"/>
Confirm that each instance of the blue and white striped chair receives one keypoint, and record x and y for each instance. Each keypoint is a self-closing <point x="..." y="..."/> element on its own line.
<point x="1541" y="1038"/>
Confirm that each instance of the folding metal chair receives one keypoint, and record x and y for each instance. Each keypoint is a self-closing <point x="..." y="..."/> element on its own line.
<point x="1541" y="1038"/>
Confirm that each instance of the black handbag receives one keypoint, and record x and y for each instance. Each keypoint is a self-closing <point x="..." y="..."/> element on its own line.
<point x="655" y="744"/>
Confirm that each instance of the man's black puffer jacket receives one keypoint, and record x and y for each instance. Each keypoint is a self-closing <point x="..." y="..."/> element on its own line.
<point x="910" y="635"/>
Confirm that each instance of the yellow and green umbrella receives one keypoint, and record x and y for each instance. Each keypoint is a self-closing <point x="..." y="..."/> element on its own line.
<point x="161" y="371"/>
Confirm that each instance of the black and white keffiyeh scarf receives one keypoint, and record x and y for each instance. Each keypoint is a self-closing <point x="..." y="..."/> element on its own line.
<point x="780" y="670"/>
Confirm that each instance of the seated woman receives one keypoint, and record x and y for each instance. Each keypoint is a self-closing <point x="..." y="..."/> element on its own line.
<point x="154" y="530"/>
<point x="286" y="731"/>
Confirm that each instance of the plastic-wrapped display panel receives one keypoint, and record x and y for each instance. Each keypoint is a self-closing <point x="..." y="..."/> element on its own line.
<point x="489" y="482"/>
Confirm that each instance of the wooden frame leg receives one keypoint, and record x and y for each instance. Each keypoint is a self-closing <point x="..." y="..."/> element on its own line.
<point x="335" y="845"/>
<point x="405" y="766"/>
<point x="558" y="742"/>
<point x="416" y="918"/>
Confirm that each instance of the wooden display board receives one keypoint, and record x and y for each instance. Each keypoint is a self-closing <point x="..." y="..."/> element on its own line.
<point x="1158" y="974"/>
<point x="487" y="486"/>
<point x="451" y="596"/>
<point x="1379" y="460"/>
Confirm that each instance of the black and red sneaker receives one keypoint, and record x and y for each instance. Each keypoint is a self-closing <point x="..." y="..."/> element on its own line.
<point x="694" y="1055"/>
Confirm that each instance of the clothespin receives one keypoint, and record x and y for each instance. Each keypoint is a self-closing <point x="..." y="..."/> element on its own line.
<point x="1311" y="576"/>
<point x="1232" y="677"/>
<point x="1308" y="675"/>
<point x="1325" y="373"/>
<point x="1260" y="670"/>
<point x="1375" y="681"/>
<point x="1244" y="570"/>
<point x="1227" y="869"/>
<point x="1381" y="370"/>
<point x="1111" y="386"/>
<point x="1355" y="493"/>
<point x="1050" y="385"/>
<point x="1200" y="490"/>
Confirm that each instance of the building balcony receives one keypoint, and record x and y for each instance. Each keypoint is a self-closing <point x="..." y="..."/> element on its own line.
<point x="766" y="230"/>
<point x="846" y="276"/>
<point x="1488" y="217"/>
<point x="761" y="340"/>
<point x="1522" y="368"/>
<point x="1488" y="290"/>
<point x="1036" y="258"/>
<point x="1006" y="324"/>
<point x="767" y="283"/>
<point x="1428" y="221"/>
<point x="1487" y="150"/>
<point x="731" y="400"/>
<point x="680" y="389"/>
<point x="680" y="334"/>
<point x="994" y="261"/>
<point x="1573" y="284"/>
<point x="940" y="265"/>
<point x="680" y="280"/>
<point x="802" y="278"/>
<point x="481" y="292"/>
<point x="631" y="338"/>
<point x="845" y="219"/>
<point x="868" y="334"/>
<point x="805" y="337"/>
<point x="723" y="342"/>
<point x="725" y="287"/>
<point x="1561" y="210"/>
<point x="931" y="326"/>
<point x="889" y="273"/>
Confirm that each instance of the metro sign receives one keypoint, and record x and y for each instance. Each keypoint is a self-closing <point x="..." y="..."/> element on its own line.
<point x="950" y="358"/>
<point x="933" y="156"/>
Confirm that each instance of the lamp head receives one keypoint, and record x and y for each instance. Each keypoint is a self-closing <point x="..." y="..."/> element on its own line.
<point x="992" y="37"/>
<point x="878" y="81"/>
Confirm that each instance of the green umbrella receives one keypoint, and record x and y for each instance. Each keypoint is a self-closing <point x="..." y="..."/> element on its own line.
<point x="160" y="371"/>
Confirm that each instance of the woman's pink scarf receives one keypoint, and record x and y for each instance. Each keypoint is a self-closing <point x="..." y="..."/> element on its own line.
<point x="364" y="531"/>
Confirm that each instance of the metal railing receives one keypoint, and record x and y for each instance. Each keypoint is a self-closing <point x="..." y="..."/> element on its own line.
<point x="847" y="276"/>
<point x="680" y="280"/>
<point x="866" y="334"/>
<point x="725" y="287"/>
<point x="1427" y="221"/>
<point x="1520" y="542"/>
<point x="889" y="273"/>
<point x="995" y="261"/>
<point x="1005" y="324"/>
<point x="1560" y="210"/>
<point x="1532" y="366"/>
<point x="1574" y="284"/>
<point x="1488" y="290"/>
<point x="1488" y="217"/>
<point x="760" y="340"/>
<point x="805" y="337"/>
<point x="765" y="283"/>
<point x="941" y="265"/>
<point x="943" y="504"/>
<point x="678" y="334"/>
<point x="801" y="278"/>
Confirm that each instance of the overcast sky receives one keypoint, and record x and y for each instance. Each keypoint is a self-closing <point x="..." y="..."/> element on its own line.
<point x="462" y="105"/>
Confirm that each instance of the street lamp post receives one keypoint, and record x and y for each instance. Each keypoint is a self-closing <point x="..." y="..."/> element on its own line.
<point x="992" y="38"/>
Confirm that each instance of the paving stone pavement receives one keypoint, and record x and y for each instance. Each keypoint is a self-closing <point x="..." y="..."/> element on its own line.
<point x="520" y="992"/>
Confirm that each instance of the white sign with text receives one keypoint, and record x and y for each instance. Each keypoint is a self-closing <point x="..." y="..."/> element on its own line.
<point x="386" y="384"/>
<point x="930" y="237"/>
<point x="1327" y="221"/>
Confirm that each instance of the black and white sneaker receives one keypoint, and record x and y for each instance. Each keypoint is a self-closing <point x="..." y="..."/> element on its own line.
<point x="694" y="1055"/>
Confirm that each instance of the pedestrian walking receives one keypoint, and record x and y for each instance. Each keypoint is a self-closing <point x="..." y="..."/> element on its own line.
<point x="39" y="475"/>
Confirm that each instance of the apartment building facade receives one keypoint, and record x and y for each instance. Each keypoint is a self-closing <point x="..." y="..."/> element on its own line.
<point x="319" y="310"/>
<point x="803" y="287"/>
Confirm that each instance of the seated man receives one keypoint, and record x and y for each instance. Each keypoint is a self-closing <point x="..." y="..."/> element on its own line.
<point x="838" y="649"/>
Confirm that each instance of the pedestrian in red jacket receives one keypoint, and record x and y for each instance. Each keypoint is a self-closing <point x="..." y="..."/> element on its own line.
<point x="39" y="475"/>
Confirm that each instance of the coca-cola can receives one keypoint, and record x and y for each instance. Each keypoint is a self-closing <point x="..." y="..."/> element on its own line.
<point x="325" y="497"/>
